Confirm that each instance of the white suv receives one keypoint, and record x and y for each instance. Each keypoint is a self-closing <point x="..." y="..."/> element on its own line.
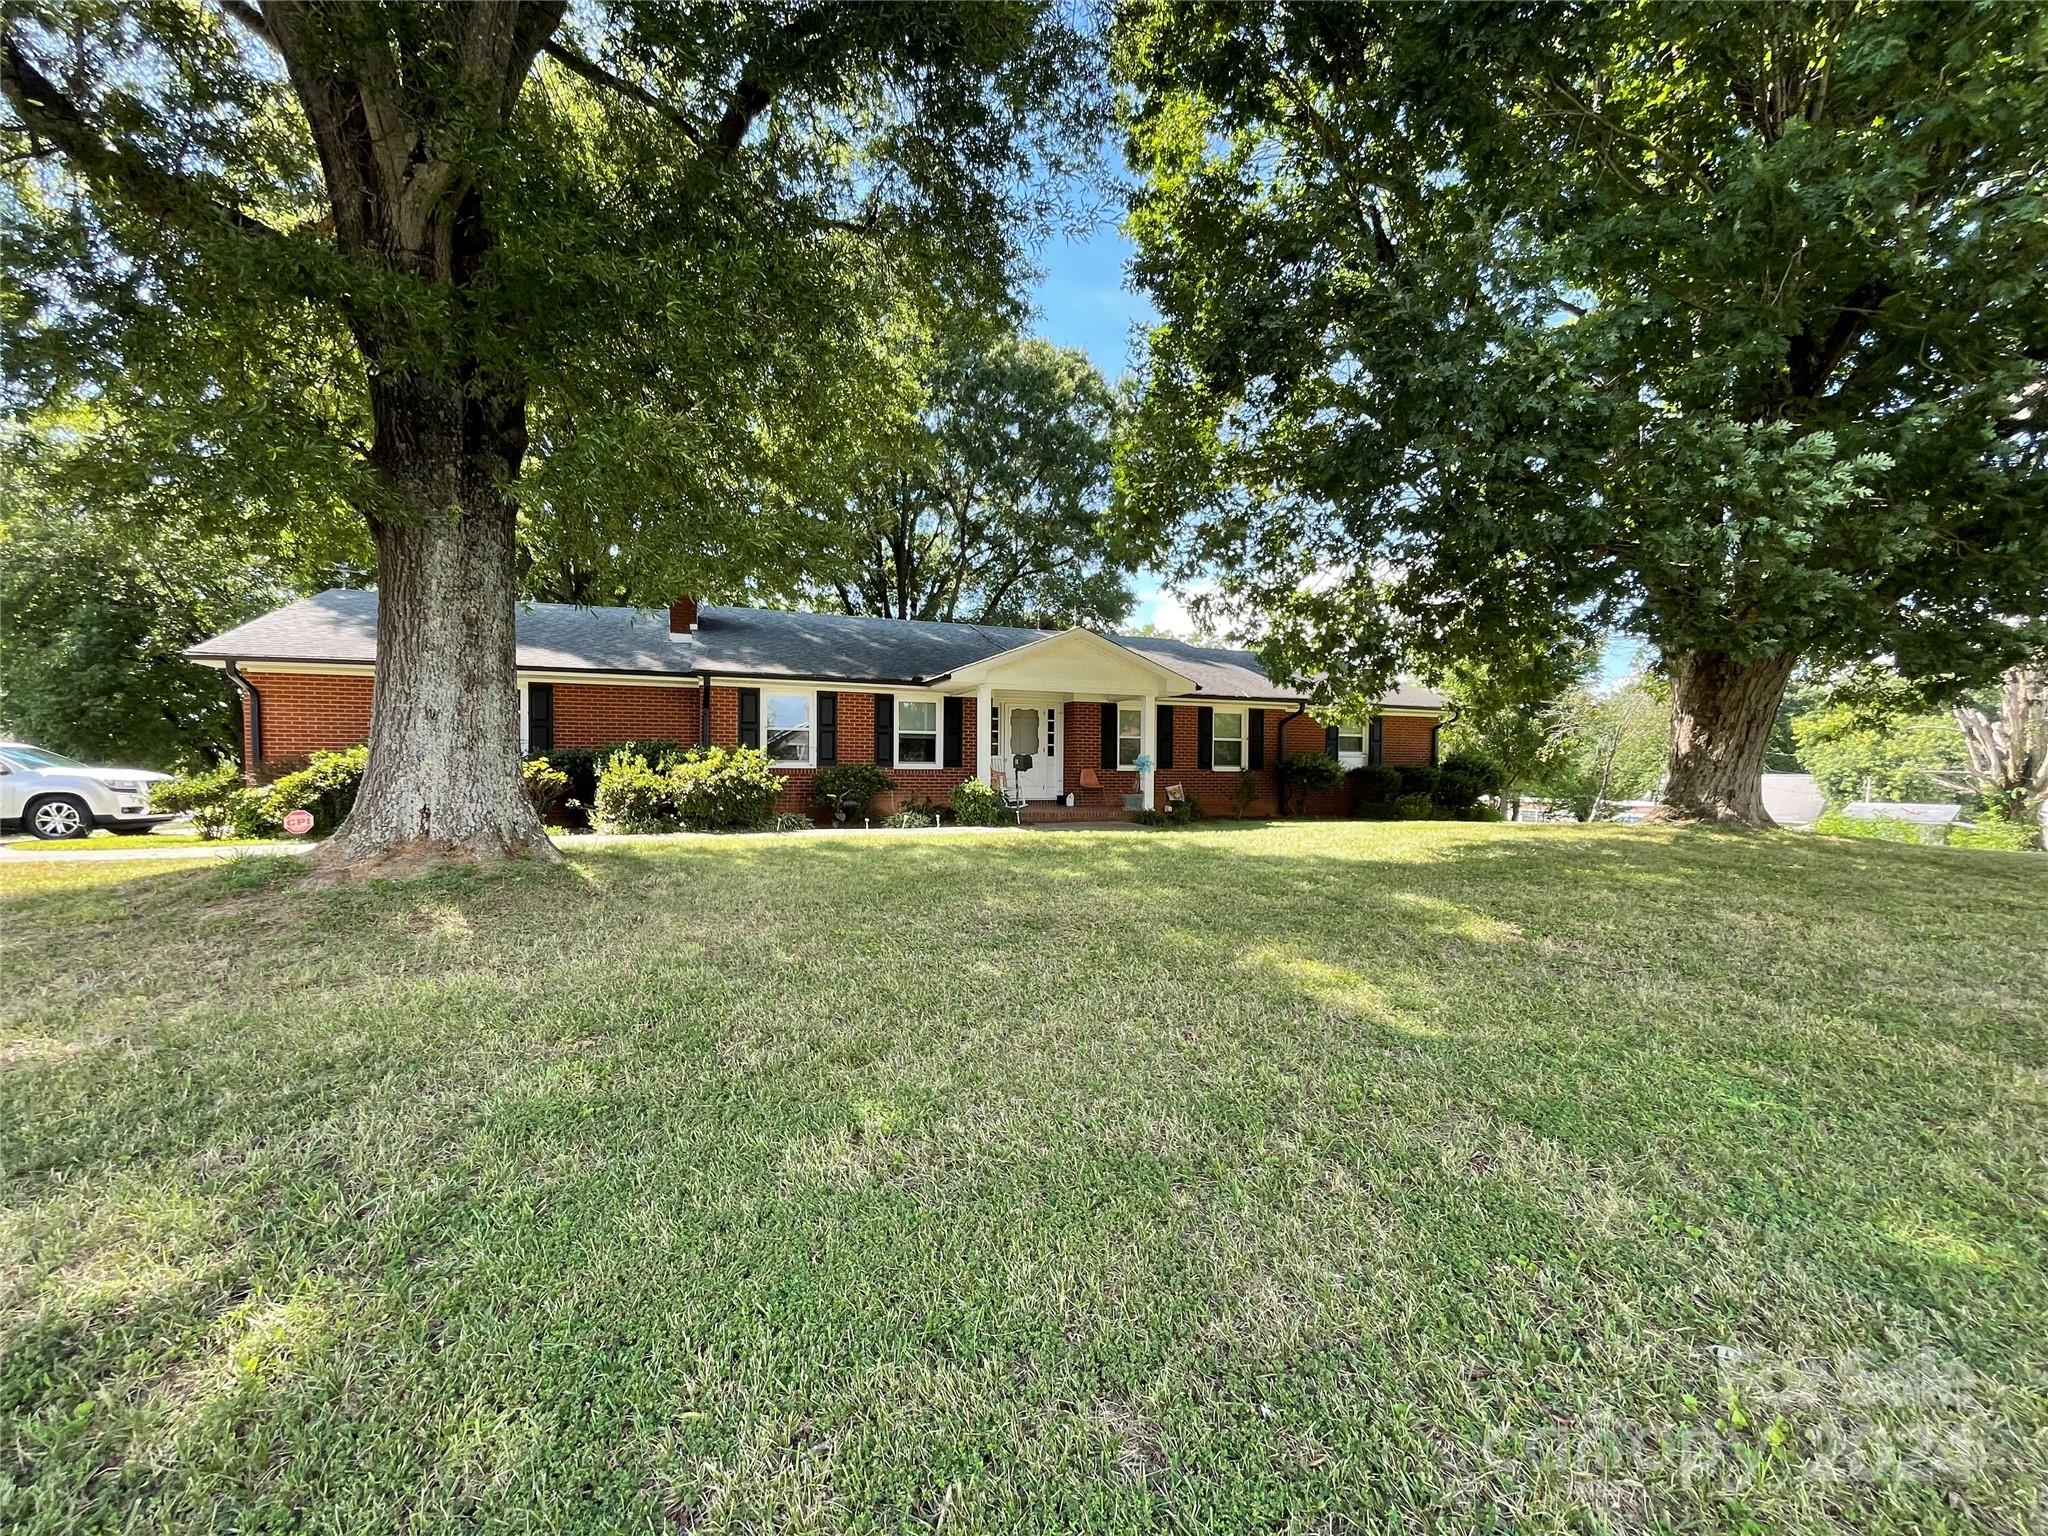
<point x="58" y="797"/>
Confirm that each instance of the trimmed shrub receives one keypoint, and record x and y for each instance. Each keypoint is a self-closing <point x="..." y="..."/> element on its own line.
<point x="907" y="821"/>
<point x="219" y="803"/>
<point x="1375" y="784"/>
<point x="632" y="796"/>
<point x="1419" y="779"/>
<point x="326" y="786"/>
<point x="1375" y="810"/>
<point x="546" y="785"/>
<point x="659" y="751"/>
<point x="976" y="804"/>
<point x="719" y="789"/>
<point x="1415" y="808"/>
<point x="1465" y="778"/>
<point x="1305" y="773"/>
<point x="848" y="789"/>
<point x="725" y="789"/>
<point x="580" y="766"/>
<point x="1481" y="813"/>
<point x="584" y="764"/>
<point x="794" y="821"/>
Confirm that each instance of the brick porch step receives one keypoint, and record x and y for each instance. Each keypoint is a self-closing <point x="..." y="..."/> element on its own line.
<point x="1054" y="815"/>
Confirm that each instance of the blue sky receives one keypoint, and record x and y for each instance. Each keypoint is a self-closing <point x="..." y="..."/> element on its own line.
<point x="1083" y="301"/>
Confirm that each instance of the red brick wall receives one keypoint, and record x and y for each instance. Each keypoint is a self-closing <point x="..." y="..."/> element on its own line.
<point x="1084" y="750"/>
<point x="598" y="714"/>
<point x="1403" y="739"/>
<point x="856" y="745"/>
<point x="1210" y="788"/>
<point x="306" y="712"/>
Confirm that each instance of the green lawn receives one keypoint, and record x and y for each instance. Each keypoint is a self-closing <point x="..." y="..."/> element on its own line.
<point x="1304" y="1178"/>
<point x="100" y="841"/>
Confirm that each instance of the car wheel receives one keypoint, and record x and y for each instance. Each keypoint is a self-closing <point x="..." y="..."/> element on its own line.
<point x="59" y="818"/>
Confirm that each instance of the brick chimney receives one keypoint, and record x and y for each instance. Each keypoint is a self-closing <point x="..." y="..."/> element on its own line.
<point x="682" y="616"/>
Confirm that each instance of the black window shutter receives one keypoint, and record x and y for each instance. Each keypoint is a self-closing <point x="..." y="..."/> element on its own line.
<point x="828" y="729"/>
<point x="540" y="717"/>
<point x="885" y="729"/>
<point x="1205" y="737"/>
<point x="956" y="730"/>
<point x="1435" y="742"/>
<point x="1255" y="729"/>
<point x="1163" y="753"/>
<point x="1109" y="734"/>
<point x="1330" y="740"/>
<point x="750" y="717"/>
<point x="1372" y="742"/>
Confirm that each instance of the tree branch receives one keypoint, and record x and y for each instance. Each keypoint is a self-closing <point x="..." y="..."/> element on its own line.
<point x="598" y="75"/>
<point x="46" y="112"/>
<point x="247" y="14"/>
<point x="1811" y="362"/>
<point x="750" y="99"/>
<point x="766" y="72"/>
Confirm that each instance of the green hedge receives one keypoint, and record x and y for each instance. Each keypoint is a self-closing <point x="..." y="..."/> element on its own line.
<point x="976" y="804"/>
<point x="847" y="790"/>
<point x="583" y="764"/>
<point x="714" y="789"/>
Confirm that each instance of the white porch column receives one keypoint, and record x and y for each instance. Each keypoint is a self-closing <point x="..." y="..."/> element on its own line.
<point x="984" y="737"/>
<point x="1148" y="731"/>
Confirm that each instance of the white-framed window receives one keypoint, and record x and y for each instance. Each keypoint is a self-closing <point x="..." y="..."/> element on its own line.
<point x="1227" y="740"/>
<point x="917" y="732"/>
<point x="1351" y="745"/>
<point x="1130" y="734"/>
<point x="786" y="728"/>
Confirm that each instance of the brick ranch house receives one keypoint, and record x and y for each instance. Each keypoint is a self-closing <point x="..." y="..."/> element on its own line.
<point x="932" y="703"/>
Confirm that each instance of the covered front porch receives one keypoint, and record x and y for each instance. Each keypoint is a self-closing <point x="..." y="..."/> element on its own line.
<point x="1070" y="723"/>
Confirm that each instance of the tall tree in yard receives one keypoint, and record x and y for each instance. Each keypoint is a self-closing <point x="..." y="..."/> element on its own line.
<point x="357" y="249"/>
<point x="1726" y="325"/>
<point x="987" y="486"/>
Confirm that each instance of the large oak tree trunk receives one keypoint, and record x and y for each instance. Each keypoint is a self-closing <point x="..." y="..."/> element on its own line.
<point x="443" y="780"/>
<point x="1722" y="712"/>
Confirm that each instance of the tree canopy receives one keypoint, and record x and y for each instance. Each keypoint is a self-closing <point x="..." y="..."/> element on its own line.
<point x="482" y="271"/>
<point x="1722" y="325"/>
<point x="986" y="489"/>
<point x="105" y="582"/>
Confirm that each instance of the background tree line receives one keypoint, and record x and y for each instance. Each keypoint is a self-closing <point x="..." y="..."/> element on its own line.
<point x="971" y="491"/>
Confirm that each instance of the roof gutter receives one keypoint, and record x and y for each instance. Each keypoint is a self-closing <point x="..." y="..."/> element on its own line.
<point x="252" y="706"/>
<point x="1280" y="760"/>
<point x="1448" y="715"/>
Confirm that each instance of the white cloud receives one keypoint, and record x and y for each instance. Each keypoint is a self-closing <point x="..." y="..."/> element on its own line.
<point x="1168" y="610"/>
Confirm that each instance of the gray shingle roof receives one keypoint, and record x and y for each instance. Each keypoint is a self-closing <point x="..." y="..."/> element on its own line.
<point x="341" y="626"/>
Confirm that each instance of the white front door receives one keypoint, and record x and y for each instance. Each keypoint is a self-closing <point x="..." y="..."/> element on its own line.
<point x="1032" y="731"/>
